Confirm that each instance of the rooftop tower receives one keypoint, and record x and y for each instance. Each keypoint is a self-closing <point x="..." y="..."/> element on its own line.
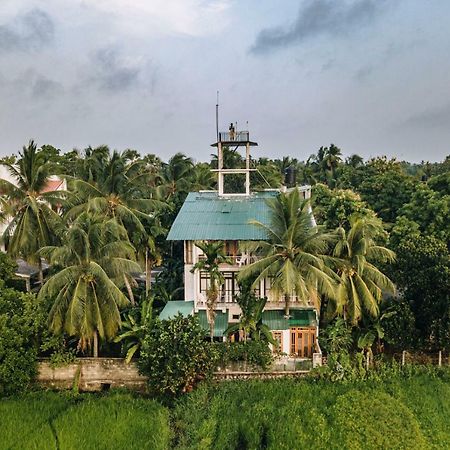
<point x="235" y="140"/>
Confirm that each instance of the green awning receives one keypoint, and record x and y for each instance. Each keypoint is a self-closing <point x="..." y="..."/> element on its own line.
<point x="302" y="318"/>
<point x="276" y="320"/>
<point x="220" y="322"/>
<point x="172" y="308"/>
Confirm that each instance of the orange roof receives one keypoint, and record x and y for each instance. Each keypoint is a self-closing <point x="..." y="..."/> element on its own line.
<point x="52" y="185"/>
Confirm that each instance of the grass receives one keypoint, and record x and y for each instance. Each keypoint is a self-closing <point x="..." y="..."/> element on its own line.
<point x="284" y="414"/>
<point x="397" y="413"/>
<point x="56" y="421"/>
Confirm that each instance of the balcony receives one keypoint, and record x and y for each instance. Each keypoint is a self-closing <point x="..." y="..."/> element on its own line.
<point x="236" y="260"/>
<point x="228" y="297"/>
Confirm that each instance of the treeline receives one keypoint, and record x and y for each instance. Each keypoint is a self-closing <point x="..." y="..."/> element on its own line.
<point x="109" y="221"/>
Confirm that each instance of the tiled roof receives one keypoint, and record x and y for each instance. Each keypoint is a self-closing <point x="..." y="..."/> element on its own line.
<point x="205" y="215"/>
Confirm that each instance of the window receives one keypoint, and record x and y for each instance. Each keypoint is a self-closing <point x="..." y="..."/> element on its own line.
<point x="227" y="291"/>
<point x="231" y="248"/>
<point x="278" y="337"/>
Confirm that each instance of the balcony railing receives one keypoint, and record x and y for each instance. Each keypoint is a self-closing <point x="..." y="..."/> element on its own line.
<point x="228" y="296"/>
<point x="237" y="260"/>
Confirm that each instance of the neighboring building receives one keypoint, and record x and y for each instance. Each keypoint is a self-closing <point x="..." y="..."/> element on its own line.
<point x="225" y="216"/>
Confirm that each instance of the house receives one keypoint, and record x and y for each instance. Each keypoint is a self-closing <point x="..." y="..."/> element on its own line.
<point x="225" y="215"/>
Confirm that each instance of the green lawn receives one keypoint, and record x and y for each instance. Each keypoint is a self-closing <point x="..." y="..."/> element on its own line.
<point x="408" y="414"/>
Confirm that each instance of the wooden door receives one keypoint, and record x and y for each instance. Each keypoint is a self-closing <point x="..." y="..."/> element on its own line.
<point x="303" y="341"/>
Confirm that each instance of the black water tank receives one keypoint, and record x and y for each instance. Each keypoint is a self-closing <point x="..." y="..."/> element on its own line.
<point x="290" y="176"/>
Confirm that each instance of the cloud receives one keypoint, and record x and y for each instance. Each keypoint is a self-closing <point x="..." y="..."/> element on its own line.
<point x="438" y="117"/>
<point x="112" y="72"/>
<point x="316" y="18"/>
<point x="29" y="31"/>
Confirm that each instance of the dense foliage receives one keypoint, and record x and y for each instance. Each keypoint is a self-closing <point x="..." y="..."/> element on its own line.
<point x="103" y="231"/>
<point x="22" y="320"/>
<point x="175" y="356"/>
<point x="251" y="354"/>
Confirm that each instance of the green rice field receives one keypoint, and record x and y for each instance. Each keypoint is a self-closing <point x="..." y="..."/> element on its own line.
<point x="411" y="413"/>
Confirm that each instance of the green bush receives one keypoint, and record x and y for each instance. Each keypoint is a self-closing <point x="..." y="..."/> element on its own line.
<point x="175" y="356"/>
<point x="255" y="353"/>
<point x="22" y="319"/>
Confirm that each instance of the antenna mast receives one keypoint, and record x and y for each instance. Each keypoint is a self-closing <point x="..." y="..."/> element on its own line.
<point x="217" y="117"/>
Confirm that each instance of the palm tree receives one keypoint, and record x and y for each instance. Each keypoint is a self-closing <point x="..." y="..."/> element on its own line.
<point x="250" y="321"/>
<point x="94" y="256"/>
<point x="361" y="283"/>
<point x="29" y="206"/>
<point x="294" y="254"/>
<point x="214" y="255"/>
<point x="117" y="191"/>
<point x="175" y="177"/>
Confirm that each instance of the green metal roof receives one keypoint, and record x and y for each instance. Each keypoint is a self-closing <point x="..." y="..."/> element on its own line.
<point x="172" y="308"/>
<point x="302" y="317"/>
<point x="220" y="322"/>
<point x="275" y="319"/>
<point x="205" y="215"/>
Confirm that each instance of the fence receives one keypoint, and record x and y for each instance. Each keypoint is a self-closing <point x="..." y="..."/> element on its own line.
<point x="441" y="358"/>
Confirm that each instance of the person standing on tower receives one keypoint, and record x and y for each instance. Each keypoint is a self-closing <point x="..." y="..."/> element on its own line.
<point x="232" y="132"/>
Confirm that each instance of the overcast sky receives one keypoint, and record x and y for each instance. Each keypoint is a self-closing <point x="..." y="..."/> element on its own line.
<point x="371" y="76"/>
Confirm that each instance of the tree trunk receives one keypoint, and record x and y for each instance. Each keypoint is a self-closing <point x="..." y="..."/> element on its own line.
<point x="129" y="289"/>
<point x="95" y="349"/>
<point x="148" y="273"/>
<point x="211" y="313"/>
<point x="287" y="299"/>
<point x="41" y="273"/>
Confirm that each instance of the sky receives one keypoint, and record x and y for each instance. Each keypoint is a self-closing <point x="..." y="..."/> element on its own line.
<point x="370" y="76"/>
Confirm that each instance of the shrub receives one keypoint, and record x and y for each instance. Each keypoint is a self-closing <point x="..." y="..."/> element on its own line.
<point x="254" y="353"/>
<point x="175" y="356"/>
<point x="22" y="320"/>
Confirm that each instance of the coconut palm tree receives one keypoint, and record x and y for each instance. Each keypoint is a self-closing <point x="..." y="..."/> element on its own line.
<point x="94" y="256"/>
<point x="361" y="283"/>
<point x="175" y="177"/>
<point x="214" y="255"/>
<point x="294" y="254"/>
<point x="118" y="192"/>
<point x="29" y="206"/>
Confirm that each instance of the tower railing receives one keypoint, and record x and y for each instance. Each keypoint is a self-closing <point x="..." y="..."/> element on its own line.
<point x="230" y="136"/>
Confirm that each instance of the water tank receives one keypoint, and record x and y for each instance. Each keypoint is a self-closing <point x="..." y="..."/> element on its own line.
<point x="290" y="176"/>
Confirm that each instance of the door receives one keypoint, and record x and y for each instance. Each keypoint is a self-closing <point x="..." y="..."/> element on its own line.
<point x="303" y="342"/>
